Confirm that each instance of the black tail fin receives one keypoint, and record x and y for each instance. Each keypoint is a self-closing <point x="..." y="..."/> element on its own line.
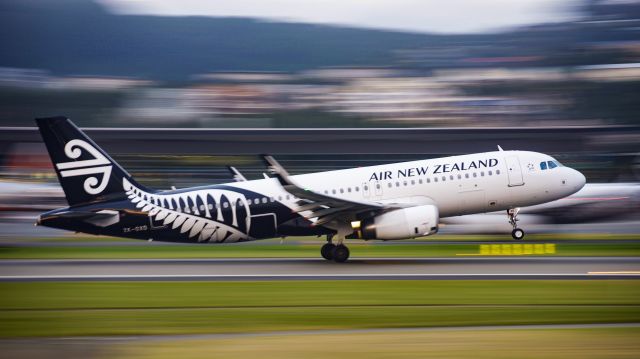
<point x="86" y="173"/>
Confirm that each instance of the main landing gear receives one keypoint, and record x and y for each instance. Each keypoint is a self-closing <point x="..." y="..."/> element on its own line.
<point x="517" y="233"/>
<point x="338" y="253"/>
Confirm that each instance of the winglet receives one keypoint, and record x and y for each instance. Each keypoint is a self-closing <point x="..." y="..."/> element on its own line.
<point x="237" y="176"/>
<point x="500" y="148"/>
<point x="276" y="169"/>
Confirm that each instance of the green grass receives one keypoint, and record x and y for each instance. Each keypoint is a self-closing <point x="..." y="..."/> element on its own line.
<point x="302" y="249"/>
<point x="109" y="308"/>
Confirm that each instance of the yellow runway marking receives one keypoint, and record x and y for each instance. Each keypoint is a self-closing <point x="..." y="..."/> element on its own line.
<point x="515" y="249"/>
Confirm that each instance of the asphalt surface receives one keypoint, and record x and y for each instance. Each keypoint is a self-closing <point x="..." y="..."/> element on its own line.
<point x="317" y="269"/>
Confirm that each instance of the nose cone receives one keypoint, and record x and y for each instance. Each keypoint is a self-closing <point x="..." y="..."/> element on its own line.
<point x="578" y="180"/>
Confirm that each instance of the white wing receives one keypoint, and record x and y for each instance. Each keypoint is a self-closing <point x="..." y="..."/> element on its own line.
<point x="321" y="208"/>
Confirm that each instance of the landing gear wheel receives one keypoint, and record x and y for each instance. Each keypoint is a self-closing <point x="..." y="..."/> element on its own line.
<point x="340" y="253"/>
<point x="517" y="234"/>
<point x="327" y="251"/>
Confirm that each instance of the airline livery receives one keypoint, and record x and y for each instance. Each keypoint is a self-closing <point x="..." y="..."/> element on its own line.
<point x="386" y="202"/>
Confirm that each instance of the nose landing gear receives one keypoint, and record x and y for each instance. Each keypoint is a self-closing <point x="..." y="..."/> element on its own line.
<point x="517" y="233"/>
<point x="338" y="253"/>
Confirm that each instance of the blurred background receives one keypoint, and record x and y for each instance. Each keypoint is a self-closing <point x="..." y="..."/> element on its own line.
<point x="560" y="77"/>
<point x="176" y="90"/>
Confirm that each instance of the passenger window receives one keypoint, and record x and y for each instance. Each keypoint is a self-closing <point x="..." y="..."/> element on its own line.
<point x="490" y="173"/>
<point x="397" y="184"/>
<point x="459" y="176"/>
<point x="497" y="172"/>
<point x="357" y="188"/>
<point x="332" y="191"/>
<point x="428" y="180"/>
<point x="435" y="179"/>
<point x="389" y="185"/>
<point x="552" y="164"/>
<point x="444" y="178"/>
<point x="341" y="190"/>
<point x="405" y="183"/>
<point x="413" y="182"/>
<point x="420" y="181"/>
<point x="543" y="166"/>
<point x="466" y="175"/>
<point x="451" y="177"/>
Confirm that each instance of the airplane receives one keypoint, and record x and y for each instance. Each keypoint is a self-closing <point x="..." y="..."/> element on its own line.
<point x="385" y="202"/>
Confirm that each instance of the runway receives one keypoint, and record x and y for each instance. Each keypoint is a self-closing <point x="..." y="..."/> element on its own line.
<point x="319" y="269"/>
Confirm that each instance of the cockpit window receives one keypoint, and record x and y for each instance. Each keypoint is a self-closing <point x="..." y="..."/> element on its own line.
<point x="549" y="165"/>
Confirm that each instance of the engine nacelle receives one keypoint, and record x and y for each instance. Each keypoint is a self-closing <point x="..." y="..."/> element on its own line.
<point x="401" y="223"/>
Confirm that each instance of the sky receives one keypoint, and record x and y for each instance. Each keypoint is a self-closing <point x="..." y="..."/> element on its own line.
<point x="440" y="16"/>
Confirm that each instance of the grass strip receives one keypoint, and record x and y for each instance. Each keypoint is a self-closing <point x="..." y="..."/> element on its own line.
<point x="243" y="320"/>
<point x="106" y="308"/>
<point x="113" y="295"/>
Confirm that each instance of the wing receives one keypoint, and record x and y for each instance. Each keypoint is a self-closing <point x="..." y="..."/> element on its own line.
<point x="321" y="208"/>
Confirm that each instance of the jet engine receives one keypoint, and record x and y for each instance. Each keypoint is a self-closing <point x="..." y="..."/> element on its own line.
<point x="400" y="224"/>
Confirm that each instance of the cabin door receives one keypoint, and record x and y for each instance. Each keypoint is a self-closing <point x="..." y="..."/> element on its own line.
<point x="514" y="171"/>
<point x="366" y="189"/>
<point x="378" y="188"/>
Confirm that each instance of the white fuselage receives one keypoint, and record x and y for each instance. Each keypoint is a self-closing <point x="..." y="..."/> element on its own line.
<point x="457" y="185"/>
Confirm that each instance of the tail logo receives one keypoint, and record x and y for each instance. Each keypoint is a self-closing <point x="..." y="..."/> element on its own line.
<point x="99" y="165"/>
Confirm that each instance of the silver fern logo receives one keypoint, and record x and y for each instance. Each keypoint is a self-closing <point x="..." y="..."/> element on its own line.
<point x="98" y="165"/>
<point x="214" y="215"/>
